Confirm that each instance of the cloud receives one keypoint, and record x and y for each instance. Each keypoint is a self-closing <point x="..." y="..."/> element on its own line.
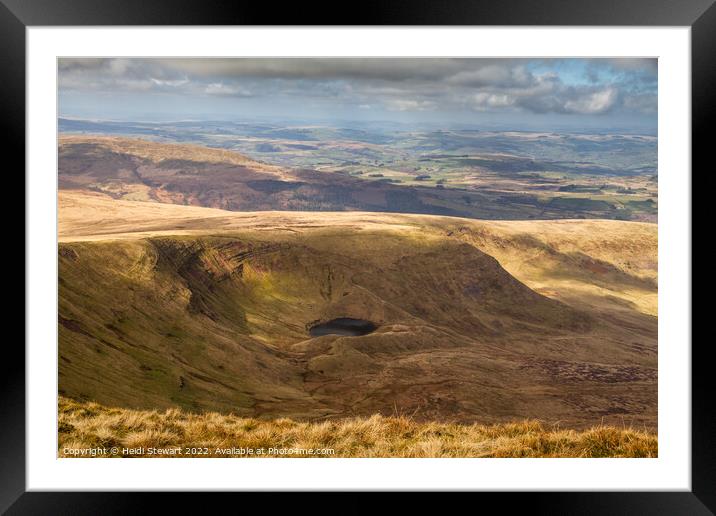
<point x="389" y="69"/>
<point x="593" y="103"/>
<point x="221" y="89"/>
<point x="493" y="75"/>
<point x="583" y="87"/>
<point x="643" y="103"/>
<point x="409" y="105"/>
<point x="169" y="83"/>
<point x="483" y="101"/>
<point x="649" y="65"/>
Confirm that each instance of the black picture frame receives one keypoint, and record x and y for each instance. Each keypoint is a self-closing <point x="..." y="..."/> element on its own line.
<point x="17" y="15"/>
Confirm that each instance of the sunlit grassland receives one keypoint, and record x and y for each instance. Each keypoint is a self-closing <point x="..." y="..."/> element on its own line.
<point x="90" y="425"/>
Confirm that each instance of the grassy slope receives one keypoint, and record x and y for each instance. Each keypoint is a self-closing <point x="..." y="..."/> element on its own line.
<point x="85" y="425"/>
<point x="167" y="306"/>
<point x="611" y="263"/>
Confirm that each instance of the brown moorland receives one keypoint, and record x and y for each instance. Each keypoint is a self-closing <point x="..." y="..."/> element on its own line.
<point x="164" y="306"/>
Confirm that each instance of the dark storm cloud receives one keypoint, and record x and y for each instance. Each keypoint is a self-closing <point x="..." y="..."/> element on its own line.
<point x="584" y="87"/>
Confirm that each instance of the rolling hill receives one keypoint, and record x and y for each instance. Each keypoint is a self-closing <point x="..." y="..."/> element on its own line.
<point x="145" y="170"/>
<point x="163" y="305"/>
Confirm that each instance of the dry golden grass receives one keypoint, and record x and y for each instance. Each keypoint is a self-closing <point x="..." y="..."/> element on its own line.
<point x="85" y="426"/>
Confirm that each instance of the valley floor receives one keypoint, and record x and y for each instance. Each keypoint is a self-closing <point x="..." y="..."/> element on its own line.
<point x="117" y="432"/>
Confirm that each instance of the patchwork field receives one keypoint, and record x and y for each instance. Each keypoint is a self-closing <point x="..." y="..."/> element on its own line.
<point x="473" y="185"/>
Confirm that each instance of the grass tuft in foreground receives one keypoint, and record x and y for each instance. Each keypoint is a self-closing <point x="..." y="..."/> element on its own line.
<point x="84" y="426"/>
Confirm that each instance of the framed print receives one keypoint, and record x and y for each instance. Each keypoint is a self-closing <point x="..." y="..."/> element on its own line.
<point x="438" y="249"/>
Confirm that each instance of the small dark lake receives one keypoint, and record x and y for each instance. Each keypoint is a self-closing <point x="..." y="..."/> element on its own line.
<point x="343" y="326"/>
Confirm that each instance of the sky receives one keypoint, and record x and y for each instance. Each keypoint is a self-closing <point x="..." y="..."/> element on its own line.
<point x="529" y="94"/>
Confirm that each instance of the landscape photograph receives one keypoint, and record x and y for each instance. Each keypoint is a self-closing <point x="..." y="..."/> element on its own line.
<point x="357" y="257"/>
